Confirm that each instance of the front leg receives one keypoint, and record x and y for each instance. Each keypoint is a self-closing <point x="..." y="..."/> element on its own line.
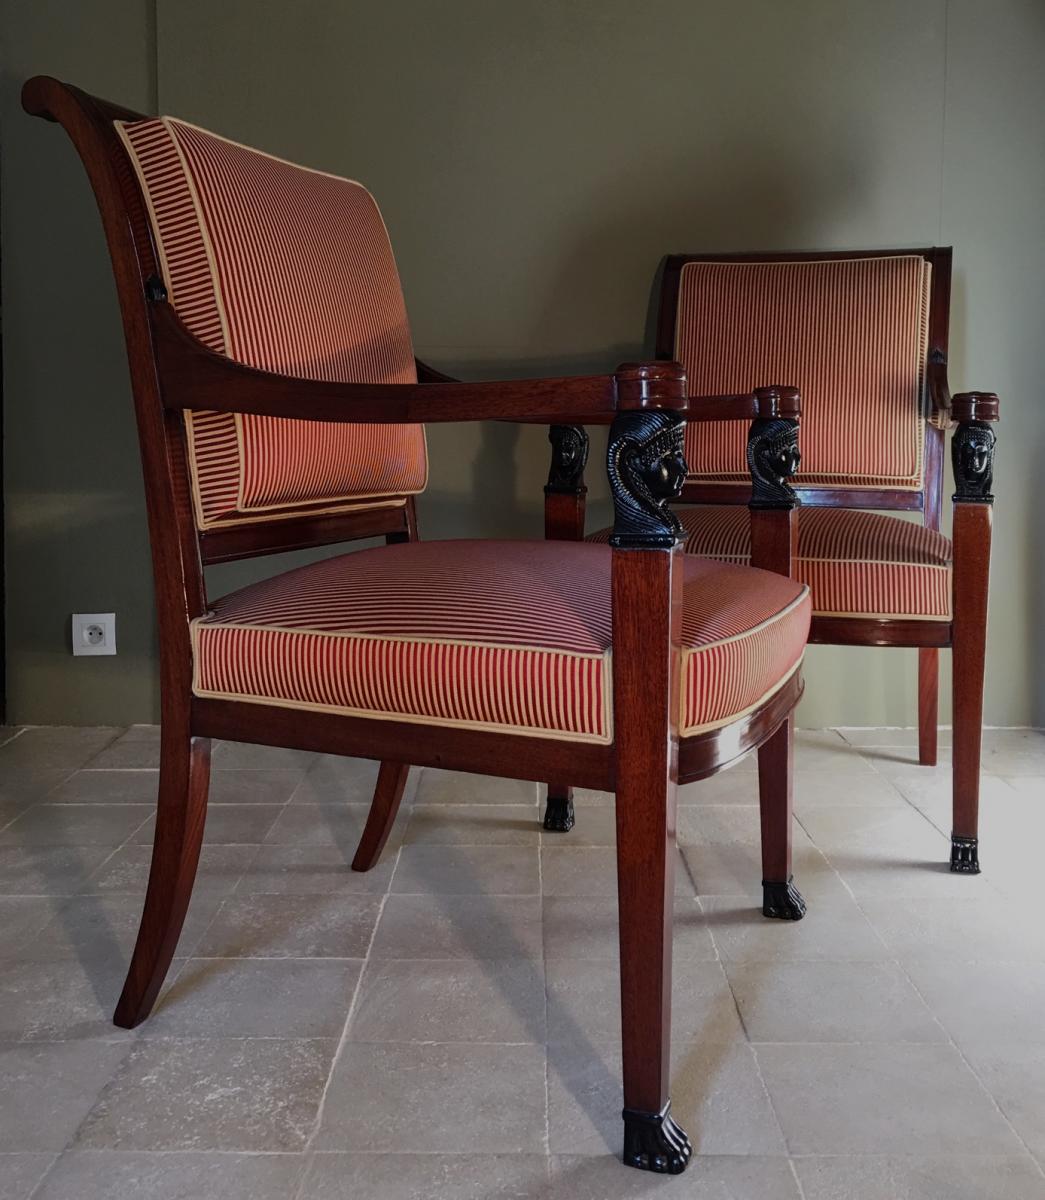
<point x="646" y="468"/>
<point x="972" y="454"/>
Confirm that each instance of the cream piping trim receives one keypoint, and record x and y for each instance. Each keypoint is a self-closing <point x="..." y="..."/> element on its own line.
<point x="691" y="730"/>
<point x="944" y="619"/>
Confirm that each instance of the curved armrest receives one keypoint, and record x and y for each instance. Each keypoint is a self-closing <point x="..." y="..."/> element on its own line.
<point x="195" y="377"/>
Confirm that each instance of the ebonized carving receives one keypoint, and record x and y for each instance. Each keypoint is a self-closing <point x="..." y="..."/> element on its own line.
<point x="559" y="816"/>
<point x="782" y="900"/>
<point x="965" y="855"/>
<point x="647" y="468"/>
<point x="972" y="456"/>
<point x="155" y="290"/>
<point x="773" y="457"/>
<point x="569" y="458"/>
<point x="653" y="1142"/>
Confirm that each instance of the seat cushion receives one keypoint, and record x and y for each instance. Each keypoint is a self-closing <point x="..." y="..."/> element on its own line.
<point x="288" y="270"/>
<point x="855" y="563"/>
<point x="507" y="636"/>
<point x="851" y="334"/>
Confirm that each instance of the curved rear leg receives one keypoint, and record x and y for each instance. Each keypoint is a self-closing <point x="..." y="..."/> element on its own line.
<point x="180" y="815"/>
<point x="388" y="794"/>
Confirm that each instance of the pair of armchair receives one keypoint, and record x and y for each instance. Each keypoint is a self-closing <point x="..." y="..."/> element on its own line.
<point x="865" y="337"/>
<point x="279" y="406"/>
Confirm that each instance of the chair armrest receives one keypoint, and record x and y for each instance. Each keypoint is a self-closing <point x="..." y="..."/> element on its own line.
<point x="194" y="377"/>
<point x="972" y="446"/>
<point x="762" y="404"/>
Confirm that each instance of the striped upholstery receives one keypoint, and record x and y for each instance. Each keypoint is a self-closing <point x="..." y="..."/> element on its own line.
<point x="508" y="636"/>
<point x="849" y="333"/>
<point x="855" y="563"/>
<point x="288" y="270"/>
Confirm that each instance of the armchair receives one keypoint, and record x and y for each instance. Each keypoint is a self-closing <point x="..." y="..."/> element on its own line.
<point x="865" y="336"/>
<point x="279" y="406"/>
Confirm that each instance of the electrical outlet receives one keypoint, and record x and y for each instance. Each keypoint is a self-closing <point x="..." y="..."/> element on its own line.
<point x="94" y="633"/>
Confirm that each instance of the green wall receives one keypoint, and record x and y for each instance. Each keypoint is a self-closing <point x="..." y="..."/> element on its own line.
<point x="534" y="161"/>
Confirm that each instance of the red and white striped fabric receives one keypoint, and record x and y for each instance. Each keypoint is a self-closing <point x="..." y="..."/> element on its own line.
<point x="851" y="334"/>
<point x="855" y="563"/>
<point x="508" y="636"/>
<point x="288" y="270"/>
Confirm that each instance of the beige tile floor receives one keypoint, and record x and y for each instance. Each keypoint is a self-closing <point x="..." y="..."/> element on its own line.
<point x="446" y="1026"/>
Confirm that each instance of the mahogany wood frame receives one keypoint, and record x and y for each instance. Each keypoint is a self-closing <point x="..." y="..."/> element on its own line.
<point x="170" y="372"/>
<point x="965" y="633"/>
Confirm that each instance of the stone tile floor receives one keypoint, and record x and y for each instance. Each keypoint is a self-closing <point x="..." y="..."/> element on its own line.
<point x="446" y="1026"/>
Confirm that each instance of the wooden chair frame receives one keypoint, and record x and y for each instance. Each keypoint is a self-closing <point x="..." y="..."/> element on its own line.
<point x="646" y="406"/>
<point x="971" y="416"/>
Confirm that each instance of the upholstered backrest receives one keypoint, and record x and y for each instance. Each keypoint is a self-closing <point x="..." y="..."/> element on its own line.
<point x="849" y="333"/>
<point x="289" y="270"/>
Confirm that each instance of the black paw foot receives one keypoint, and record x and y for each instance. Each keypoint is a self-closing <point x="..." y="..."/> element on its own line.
<point x="965" y="855"/>
<point x="559" y="816"/>
<point x="653" y="1142"/>
<point x="782" y="900"/>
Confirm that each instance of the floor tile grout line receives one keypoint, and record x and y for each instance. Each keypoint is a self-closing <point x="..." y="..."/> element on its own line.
<point x="954" y="1045"/>
<point x="544" y="981"/>
<point x="794" y="1174"/>
<point x="343" y="1041"/>
<point x="35" y="1189"/>
<point x="234" y="890"/>
<point x="13" y="736"/>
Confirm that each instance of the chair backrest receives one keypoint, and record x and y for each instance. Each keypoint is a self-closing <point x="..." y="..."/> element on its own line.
<point x="851" y="330"/>
<point x="290" y="270"/>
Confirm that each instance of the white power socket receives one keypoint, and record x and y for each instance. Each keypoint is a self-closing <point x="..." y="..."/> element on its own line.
<point x="94" y="633"/>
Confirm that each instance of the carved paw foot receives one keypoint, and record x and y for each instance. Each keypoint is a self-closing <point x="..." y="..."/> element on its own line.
<point x="965" y="855"/>
<point x="558" y="815"/>
<point x="653" y="1142"/>
<point x="782" y="900"/>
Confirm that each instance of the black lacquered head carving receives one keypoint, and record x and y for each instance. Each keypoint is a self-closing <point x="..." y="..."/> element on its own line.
<point x="569" y="458"/>
<point x="773" y="458"/>
<point x="647" y="468"/>
<point x="972" y="457"/>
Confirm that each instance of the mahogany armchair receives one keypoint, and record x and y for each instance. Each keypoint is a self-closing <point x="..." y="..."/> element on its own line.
<point x="864" y="336"/>
<point x="278" y="407"/>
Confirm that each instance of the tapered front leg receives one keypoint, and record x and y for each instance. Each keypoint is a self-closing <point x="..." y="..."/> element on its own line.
<point x="776" y="760"/>
<point x="647" y="569"/>
<point x="972" y="454"/>
<point x="645" y="695"/>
